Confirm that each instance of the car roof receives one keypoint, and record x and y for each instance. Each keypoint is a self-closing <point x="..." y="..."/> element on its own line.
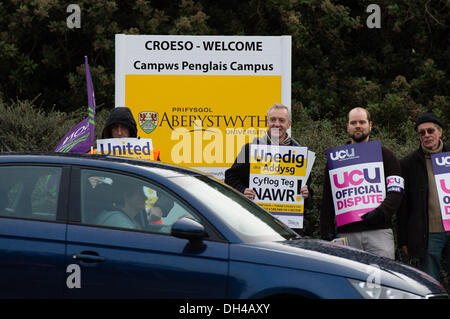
<point x="101" y="161"/>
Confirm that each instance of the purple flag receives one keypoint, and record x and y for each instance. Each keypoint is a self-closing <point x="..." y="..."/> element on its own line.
<point x="80" y="138"/>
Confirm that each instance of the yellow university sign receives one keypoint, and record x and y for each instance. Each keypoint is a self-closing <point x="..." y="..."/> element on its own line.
<point x="201" y="98"/>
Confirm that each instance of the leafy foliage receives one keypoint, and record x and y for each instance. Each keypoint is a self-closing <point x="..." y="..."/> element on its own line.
<point x="27" y="127"/>
<point x="338" y="62"/>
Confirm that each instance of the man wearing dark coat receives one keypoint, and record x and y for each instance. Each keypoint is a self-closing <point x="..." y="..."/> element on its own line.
<point x="278" y="122"/>
<point x="420" y="229"/>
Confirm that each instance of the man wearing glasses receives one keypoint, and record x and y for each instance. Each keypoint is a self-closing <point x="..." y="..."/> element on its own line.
<point x="420" y="229"/>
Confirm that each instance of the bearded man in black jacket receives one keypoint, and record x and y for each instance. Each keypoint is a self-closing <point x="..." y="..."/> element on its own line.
<point x="374" y="232"/>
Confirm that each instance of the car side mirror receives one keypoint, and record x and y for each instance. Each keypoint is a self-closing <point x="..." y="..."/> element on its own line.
<point x="188" y="228"/>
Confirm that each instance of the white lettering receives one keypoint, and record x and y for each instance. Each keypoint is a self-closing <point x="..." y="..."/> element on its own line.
<point x="73" y="20"/>
<point x="373" y="20"/>
<point x="74" y="279"/>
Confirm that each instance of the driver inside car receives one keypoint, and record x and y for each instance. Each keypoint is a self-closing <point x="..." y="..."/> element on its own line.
<point x="129" y="202"/>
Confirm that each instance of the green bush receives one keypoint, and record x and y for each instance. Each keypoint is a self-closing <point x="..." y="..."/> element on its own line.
<point x="337" y="61"/>
<point x="27" y="127"/>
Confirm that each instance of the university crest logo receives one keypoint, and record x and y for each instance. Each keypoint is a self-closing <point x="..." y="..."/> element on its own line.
<point x="148" y="121"/>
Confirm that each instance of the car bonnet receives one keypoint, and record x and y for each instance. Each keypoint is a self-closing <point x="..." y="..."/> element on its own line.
<point x="322" y="256"/>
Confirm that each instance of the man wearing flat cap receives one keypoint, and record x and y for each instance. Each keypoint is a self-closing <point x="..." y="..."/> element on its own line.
<point x="420" y="228"/>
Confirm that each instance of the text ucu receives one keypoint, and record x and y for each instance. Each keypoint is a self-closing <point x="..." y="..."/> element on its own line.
<point x="396" y="180"/>
<point x="339" y="155"/>
<point x="443" y="161"/>
<point x="356" y="177"/>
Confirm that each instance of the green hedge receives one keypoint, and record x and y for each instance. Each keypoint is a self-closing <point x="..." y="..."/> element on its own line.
<point x="337" y="61"/>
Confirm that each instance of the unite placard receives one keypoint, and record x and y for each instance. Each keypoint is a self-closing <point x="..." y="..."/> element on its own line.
<point x="141" y="148"/>
<point x="201" y="98"/>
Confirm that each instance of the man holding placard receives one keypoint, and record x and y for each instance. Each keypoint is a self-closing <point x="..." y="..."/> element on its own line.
<point x="238" y="175"/>
<point x="119" y="137"/>
<point x="362" y="190"/>
<point x="424" y="217"/>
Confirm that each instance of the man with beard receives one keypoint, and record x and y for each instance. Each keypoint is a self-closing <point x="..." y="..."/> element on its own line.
<point x="374" y="232"/>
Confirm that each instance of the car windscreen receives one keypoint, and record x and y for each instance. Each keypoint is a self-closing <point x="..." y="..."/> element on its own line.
<point x="247" y="220"/>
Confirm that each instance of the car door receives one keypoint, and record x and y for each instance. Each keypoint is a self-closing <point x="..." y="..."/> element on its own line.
<point x="119" y="260"/>
<point x="32" y="231"/>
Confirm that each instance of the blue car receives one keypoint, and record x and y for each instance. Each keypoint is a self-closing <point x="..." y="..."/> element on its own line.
<point x="87" y="226"/>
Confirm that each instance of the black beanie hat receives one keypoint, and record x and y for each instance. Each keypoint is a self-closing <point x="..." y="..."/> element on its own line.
<point x="427" y="117"/>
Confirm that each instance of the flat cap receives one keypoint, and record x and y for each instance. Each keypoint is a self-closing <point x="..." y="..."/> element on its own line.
<point x="427" y="117"/>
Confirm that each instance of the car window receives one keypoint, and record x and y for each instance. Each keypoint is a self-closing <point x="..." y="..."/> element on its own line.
<point x="29" y="191"/>
<point x="247" y="219"/>
<point x="116" y="200"/>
